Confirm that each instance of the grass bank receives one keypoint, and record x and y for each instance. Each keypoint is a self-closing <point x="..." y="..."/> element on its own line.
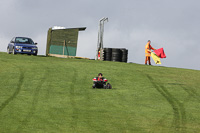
<point x="48" y="94"/>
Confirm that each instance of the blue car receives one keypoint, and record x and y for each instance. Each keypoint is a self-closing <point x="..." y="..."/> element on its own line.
<point x="22" y="45"/>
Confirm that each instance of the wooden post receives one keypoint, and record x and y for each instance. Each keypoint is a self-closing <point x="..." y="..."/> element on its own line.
<point x="67" y="48"/>
<point x="64" y="48"/>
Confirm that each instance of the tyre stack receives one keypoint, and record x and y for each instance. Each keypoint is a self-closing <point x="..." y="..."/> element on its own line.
<point x="116" y="55"/>
<point x="124" y="55"/>
<point x="107" y="54"/>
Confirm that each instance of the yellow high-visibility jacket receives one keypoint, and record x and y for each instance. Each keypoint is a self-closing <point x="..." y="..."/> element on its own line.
<point x="148" y="47"/>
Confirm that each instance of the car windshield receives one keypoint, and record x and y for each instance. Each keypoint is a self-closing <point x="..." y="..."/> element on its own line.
<point x="24" y="40"/>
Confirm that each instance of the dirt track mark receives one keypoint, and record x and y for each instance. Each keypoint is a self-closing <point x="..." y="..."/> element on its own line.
<point x="178" y="109"/>
<point x="73" y="102"/>
<point x="21" y="78"/>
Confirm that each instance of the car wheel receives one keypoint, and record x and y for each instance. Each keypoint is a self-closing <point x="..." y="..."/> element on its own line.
<point x="8" y="51"/>
<point x="13" y="51"/>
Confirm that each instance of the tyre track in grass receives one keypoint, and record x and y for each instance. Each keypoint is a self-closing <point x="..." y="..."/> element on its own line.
<point x="34" y="103"/>
<point x="18" y="89"/>
<point x="191" y="93"/>
<point x="178" y="108"/>
<point x="73" y="102"/>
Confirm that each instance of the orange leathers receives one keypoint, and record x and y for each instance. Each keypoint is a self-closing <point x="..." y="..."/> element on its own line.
<point x="148" y="49"/>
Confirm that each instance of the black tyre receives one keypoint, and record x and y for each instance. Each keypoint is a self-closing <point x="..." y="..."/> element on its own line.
<point x="124" y="55"/>
<point x="107" y="54"/>
<point x="124" y="60"/>
<point x="93" y="86"/>
<point x="116" y="55"/>
<point x="105" y="86"/>
<point x="108" y="50"/>
<point x="108" y="86"/>
<point x="116" y="50"/>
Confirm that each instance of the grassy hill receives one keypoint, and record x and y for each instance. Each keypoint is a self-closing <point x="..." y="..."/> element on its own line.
<point x="48" y="94"/>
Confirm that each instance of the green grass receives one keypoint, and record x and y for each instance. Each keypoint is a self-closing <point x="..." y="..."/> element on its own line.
<point x="48" y="94"/>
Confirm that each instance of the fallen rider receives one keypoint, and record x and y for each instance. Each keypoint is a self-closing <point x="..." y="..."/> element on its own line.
<point x="100" y="82"/>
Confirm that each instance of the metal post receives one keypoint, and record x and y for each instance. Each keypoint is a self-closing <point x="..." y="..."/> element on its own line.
<point x="100" y="37"/>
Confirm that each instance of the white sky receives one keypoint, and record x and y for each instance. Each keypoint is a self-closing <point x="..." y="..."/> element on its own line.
<point x="171" y="24"/>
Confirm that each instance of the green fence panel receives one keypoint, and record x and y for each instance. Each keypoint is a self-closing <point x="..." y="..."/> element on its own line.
<point x="55" y="49"/>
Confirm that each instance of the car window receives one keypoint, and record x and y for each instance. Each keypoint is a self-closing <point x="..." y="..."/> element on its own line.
<point x="24" y="40"/>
